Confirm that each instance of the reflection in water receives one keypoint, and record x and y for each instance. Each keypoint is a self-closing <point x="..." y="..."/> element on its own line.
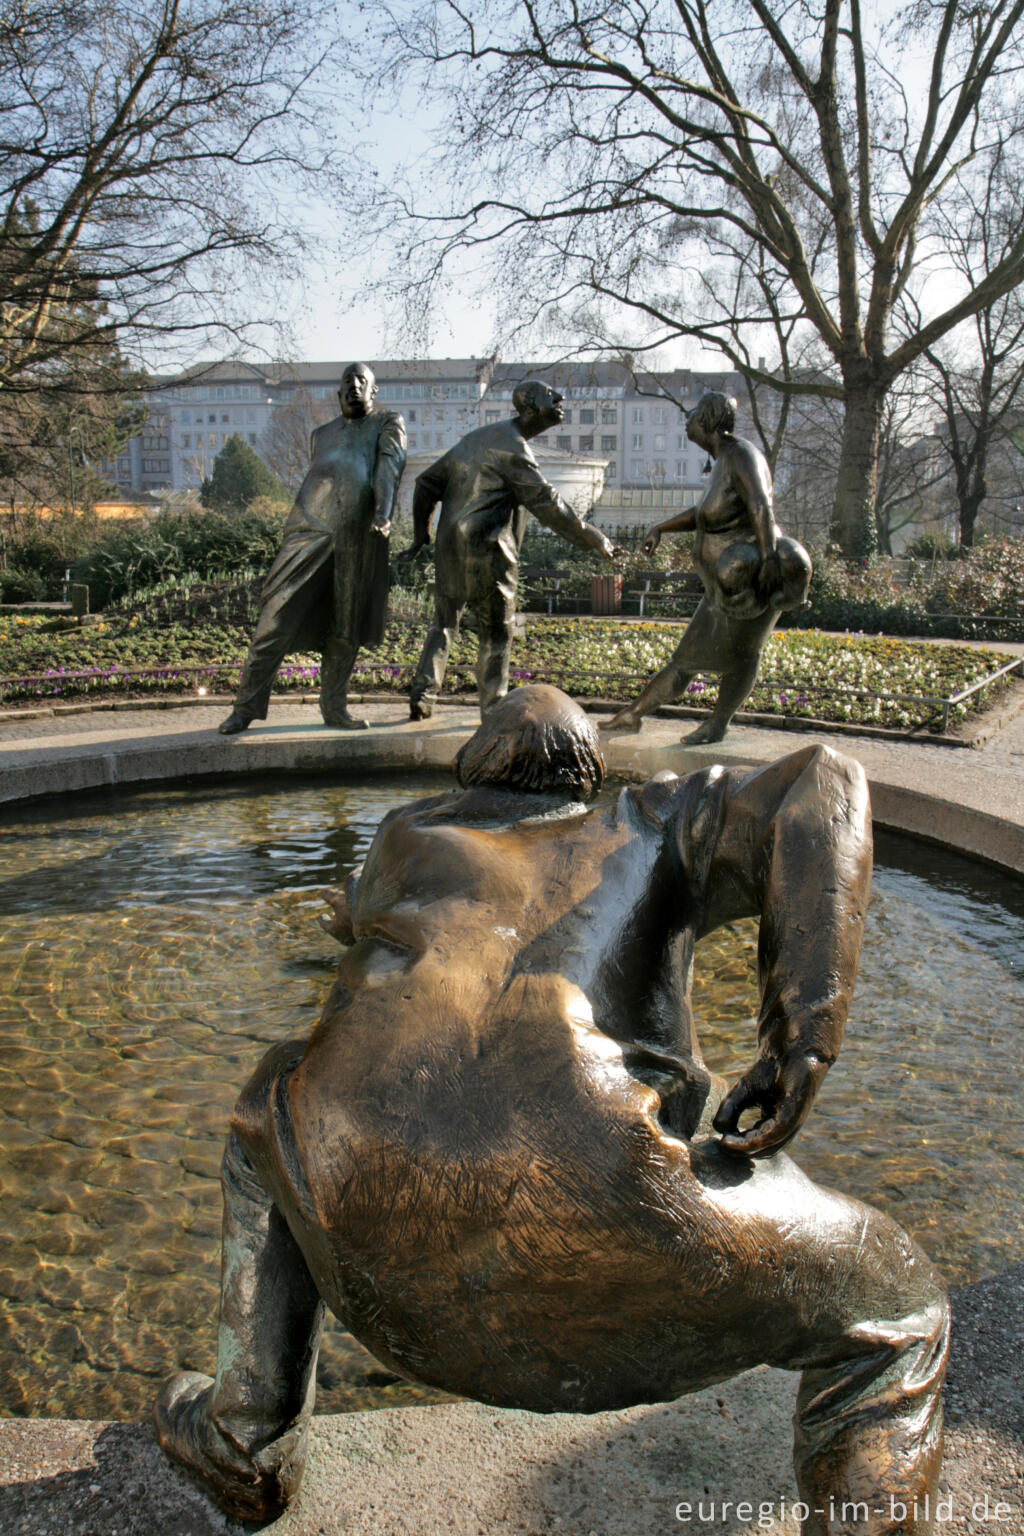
<point x="152" y="944"/>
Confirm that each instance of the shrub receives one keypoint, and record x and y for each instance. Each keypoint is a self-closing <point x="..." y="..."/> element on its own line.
<point x="125" y="561"/>
<point x="18" y="585"/>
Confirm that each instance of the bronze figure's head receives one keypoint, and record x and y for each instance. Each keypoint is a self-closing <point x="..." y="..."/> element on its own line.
<point x="357" y="391"/>
<point x="537" y="405"/>
<point x="714" y="412"/>
<point x="535" y="740"/>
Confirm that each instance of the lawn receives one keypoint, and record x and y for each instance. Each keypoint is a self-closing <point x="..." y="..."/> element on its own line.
<point x="854" y="679"/>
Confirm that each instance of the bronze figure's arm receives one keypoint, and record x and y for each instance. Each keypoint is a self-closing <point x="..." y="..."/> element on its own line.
<point x="429" y="490"/>
<point x="683" y="522"/>
<point x="388" y="473"/>
<point x="751" y="478"/>
<point x="530" y="490"/>
<point x="794" y="847"/>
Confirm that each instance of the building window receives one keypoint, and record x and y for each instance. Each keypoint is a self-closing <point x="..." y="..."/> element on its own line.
<point x="212" y="416"/>
<point x="659" y="442"/>
<point x="681" y="441"/>
<point x="660" y="415"/>
<point x="636" y="468"/>
<point x="609" y="444"/>
<point x="412" y="440"/>
<point x="411" y="415"/>
<point x="563" y="444"/>
<point x="587" y="442"/>
<point x="252" y="438"/>
<point x="609" y="418"/>
<point x="567" y="418"/>
<point x="586" y="418"/>
<point x="225" y="416"/>
<point x="638" y="414"/>
<point x="213" y="439"/>
<point x="186" y="417"/>
<point x="186" y="441"/>
<point x="658" y="469"/>
<point x="638" y="439"/>
<point x="490" y="416"/>
<point x="612" y="470"/>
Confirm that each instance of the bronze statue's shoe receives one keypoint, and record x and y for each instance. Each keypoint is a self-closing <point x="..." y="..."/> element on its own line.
<point x="419" y="709"/>
<point x="255" y="1489"/>
<point x="625" y="720"/>
<point x="707" y="732"/>
<point x="233" y="724"/>
<point x="346" y="722"/>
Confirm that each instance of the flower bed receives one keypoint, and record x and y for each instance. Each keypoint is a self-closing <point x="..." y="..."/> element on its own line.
<point x="854" y="679"/>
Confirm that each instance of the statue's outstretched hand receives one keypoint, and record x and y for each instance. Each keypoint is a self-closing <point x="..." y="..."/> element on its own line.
<point x="383" y="528"/>
<point x="407" y="556"/>
<point x="783" y="1089"/>
<point x="652" y="541"/>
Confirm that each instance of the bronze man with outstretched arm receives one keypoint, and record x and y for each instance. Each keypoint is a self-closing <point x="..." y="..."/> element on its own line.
<point x="502" y="1162"/>
<point x="327" y="589"/>
<point x="749" y="571"/>
<point x="486" y="485"/>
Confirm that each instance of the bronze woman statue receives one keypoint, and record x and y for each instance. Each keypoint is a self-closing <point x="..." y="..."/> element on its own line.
<point x="501" y="1161"/>
<point x="750" y="574"/>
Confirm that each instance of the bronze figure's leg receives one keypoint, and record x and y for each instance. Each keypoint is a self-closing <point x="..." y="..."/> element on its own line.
<point x="339" y="659"/>
<point x="665" y="687"/>
<point x="280" y="620"/>
<point x="742" y="646"/>
<point x="243" y="1436"/>
<point x="433" y="660"/>
<point x="495" y="610"/>
<point x="838" y="1291"/>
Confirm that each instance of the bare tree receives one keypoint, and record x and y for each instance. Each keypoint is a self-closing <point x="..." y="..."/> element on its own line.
<point x="286" y="440"/>
<point x="978" y="375"/>
<point x="616" y="155"/>
<point x="143" y="154"/>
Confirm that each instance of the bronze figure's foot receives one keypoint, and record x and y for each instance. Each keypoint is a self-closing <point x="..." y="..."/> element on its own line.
<point x="255" y="1490"/>
<point x="233" y="724"/>
<point x="346" y="722"/>
<point x="707" y="732"/>
<point x="419" y="709"/>
<point x="625" y="720"/>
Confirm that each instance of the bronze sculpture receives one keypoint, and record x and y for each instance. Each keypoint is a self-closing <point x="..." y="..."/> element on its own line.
<point x="486" y="485"/>
<point x="749" y="571"/>
<point x="501" y="1161"/>
<point x="327" y="589"/>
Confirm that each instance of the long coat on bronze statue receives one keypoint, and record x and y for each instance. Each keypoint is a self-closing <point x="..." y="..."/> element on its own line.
<point x="487" y="484"/>
<point x="327" y="589"/>
<point x="501" y="1161"/>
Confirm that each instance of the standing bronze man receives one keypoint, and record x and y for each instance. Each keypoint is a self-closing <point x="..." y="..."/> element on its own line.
<point x="327" y="589"/>
<point x="749" y="572"/>
<point x="486" y="485"/>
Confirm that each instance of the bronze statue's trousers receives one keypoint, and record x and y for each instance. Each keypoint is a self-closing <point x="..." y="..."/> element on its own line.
<point x="493" y="604"/>
<point x="868" y="1423"/>
<point x="279" y="622"/>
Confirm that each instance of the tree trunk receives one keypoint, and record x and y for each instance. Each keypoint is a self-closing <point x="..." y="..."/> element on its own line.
<point x="853" y="516"/>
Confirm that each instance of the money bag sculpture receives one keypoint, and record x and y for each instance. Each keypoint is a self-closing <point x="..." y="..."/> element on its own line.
<point x="501" y="1161"/>
<point x="749" y="570"/>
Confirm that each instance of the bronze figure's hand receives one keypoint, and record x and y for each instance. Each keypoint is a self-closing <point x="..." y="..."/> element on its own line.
<point x="407" y="556"/>
<point x="783" y="1090"/>
<point x="652" y="541"/>
<point x="383" y="528"/>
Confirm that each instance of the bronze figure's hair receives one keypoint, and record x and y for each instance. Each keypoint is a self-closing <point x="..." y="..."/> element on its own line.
<point x="535" y="739"/>
<point x="715" y="412"/>
<point x="525" y="393"/>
